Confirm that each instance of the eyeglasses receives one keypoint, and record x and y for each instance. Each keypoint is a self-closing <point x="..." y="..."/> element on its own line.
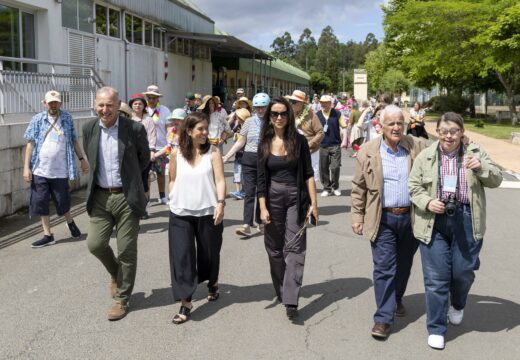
<point x="292" y="101"/>
<point x="445" y="132"/>
<point x="275" y="114"/>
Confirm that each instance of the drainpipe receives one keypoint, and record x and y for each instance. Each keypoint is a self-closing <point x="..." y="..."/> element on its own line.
<point x="126" y="55"/>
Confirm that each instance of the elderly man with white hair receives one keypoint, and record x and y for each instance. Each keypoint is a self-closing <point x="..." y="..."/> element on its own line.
<point x="381" y="211"/>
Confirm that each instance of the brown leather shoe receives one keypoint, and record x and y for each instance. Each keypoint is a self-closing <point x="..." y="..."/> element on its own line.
<point x="381" y="331"/>
<point x="113" y="287"/>
<point x="400" y="310"/>
<point x="117" y="311"/>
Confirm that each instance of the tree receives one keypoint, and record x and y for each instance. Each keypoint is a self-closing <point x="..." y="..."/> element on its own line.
<point x="306" y="50"/>
<point x="320" y="82"/>
<point x="376" y="65"/>
<point x="283" y="47"/>
<point x="452" y="42"/>
<point x="327" y="56"/>
<point x="394" y="82"/>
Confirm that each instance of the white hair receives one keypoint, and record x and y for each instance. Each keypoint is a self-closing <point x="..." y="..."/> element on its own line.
<point x="391" y="110"/>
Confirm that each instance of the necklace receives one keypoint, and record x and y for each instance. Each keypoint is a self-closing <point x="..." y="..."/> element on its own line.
<point x="301" y="117"/>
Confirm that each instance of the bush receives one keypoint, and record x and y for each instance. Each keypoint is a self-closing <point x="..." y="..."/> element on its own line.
<point x="445" y="103"/>
<point x="479" y="123"/>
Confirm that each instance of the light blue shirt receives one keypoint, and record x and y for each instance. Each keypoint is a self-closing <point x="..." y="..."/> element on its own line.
<point x="109" y="174"/>
<point x="395" y="176"/>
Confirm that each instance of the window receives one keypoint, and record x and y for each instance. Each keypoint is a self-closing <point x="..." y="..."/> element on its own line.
<point x="128" y="27"/>
<point x="137" y="30"/>
<point x="107" y="21"/>
<point x="157" y="37"/>
<point x="147" y="33"/>
<point x="15" y="23"/>
<point x="77" y="15"/>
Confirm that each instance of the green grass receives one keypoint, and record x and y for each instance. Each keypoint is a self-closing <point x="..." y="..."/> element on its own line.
<point x="491" y="128"/>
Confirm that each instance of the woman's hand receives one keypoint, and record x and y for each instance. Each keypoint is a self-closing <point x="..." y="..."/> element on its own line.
<point x="436" y="206"/>
<point x="218" y="215"/>
<point x="313" y="210"/>
<point x="264" y="216"/>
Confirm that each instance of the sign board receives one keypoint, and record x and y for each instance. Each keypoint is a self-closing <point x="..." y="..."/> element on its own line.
<point x="360" y="78"/>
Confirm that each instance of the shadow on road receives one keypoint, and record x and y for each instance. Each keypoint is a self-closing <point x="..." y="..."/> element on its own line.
<point x="329" y="292"/>
<point x="482" y="314"/>
<point x="334" y="209"/>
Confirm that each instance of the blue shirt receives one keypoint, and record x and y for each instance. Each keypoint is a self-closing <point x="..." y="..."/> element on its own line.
<point x="395" y="176"/>
<point x="109" y="174"/>
<point x="37" y="130"/>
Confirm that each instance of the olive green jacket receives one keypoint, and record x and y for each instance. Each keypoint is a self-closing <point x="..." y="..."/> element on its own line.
<point x="367" y="184"/>
<point x="423" y="181"/>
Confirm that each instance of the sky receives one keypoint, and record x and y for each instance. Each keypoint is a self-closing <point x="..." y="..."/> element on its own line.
<point x="259" y="22"/>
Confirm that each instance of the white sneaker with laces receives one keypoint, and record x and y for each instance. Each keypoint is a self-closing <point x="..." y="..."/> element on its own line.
<point x="436" y="341"/>
<point x="325" y="193"/>
<point x="337" y="192"/>
<point x="455" y="316"/>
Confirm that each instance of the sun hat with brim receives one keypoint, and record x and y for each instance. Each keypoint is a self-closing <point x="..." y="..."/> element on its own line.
<point x="52" y="95"/>
<point x="325" y="98"/>
<point x="298" y="95"/>
<point x="152" y="90"/>
<point x="125" y="109"/>
<point x="137" y="96"/>
<point x="244" y="99"/>
<point x="205" y="100"/>
<point x="177" y="114"/>
<point x="242" y="113"/>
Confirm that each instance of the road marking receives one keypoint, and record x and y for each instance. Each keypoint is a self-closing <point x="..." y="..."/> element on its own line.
<point x="510" y="185"/>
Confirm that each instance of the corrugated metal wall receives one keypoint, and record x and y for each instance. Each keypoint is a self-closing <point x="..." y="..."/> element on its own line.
<point x="167" y="12"/>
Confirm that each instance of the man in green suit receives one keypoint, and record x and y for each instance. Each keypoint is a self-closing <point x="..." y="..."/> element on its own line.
<point x="117" y="149"/>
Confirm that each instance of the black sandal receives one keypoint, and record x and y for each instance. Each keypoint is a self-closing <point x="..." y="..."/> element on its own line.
<point x="179" y="319"/>
<point x="213" y="293"/>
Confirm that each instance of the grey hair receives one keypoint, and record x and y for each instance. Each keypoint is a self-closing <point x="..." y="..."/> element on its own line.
<point x="391" y="110"/>
<point x="108" y="90"/>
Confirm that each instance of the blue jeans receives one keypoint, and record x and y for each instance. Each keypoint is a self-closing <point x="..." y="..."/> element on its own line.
<point x="449" y="262"/>
<point x="392" y="254"/>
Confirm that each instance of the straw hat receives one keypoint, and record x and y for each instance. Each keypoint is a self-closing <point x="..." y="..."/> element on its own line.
<point x="242" y="113"/>
<point x="297" y="95"/>
<point x="326" y="98"/>
<point x="205" y="100"/>
<point x="125" y="109"/>
<point x="152" y="90"/>
<point x="244" y="99"/>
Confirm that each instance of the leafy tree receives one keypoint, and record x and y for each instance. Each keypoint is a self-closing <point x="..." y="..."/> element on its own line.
<point x="376" y="65"/>
<point x="320" y="82"/>
<point x="327" y="56"/>
<point x="394" y="82"/>
<point x="284" y="47"/>
<point x="306" y="50"/>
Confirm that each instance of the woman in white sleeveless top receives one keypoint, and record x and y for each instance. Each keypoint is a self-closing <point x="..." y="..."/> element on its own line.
<point x="197" y="192"/>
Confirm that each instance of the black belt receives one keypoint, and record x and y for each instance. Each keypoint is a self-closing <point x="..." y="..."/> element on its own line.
<point x="113" y="190"/>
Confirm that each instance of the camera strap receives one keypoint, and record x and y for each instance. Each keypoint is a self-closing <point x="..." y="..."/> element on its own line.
<point x="460" y="153"/>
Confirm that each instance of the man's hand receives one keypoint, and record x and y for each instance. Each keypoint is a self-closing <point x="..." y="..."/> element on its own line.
<point x="436" y="206"/>
<point x="85" y="166"/>
<point x="357" y="228"/>
<point x="27" y="175"/>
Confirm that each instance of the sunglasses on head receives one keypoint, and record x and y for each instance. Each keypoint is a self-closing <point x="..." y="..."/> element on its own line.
<point x="275" y="114"/>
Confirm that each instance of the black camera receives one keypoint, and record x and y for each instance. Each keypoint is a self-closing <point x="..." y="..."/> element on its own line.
<point x="450" y="205"/>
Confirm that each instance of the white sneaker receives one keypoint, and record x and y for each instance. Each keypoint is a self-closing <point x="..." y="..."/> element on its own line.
<point x="165" y="200"/>
<point x="325" y="193"/>
<point x="260" y="228"/>
<point x="244" y="230"/>
<point x="455" y="316"/>
<point x="337" y="192"/>
<point x="436" y="341"/>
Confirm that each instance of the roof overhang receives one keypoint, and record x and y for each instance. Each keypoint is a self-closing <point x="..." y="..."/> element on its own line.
<point x="221" y="45"/>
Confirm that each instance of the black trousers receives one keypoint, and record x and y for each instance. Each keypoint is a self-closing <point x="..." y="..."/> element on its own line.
<point x="286" y="263"/>
<point x="249" y="182"/>
<point x="195" y="244"/>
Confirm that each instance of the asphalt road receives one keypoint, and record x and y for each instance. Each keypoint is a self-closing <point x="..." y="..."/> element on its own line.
<point x="54" y="300"/>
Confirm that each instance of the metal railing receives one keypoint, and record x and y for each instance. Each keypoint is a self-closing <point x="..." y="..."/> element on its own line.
<point x="23" y="91"/>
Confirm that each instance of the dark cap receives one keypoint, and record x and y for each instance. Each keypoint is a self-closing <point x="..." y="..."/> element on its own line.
<point x="190" y="96"/>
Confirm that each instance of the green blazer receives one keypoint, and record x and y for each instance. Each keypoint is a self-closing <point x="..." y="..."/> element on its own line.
<point x="134" y="156"/>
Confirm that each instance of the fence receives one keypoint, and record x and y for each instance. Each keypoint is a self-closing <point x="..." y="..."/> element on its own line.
<point x="23" y="91"/>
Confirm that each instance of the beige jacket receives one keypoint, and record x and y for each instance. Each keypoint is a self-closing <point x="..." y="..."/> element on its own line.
<point x="312" y="129"/>
<point x="367" y="184"/>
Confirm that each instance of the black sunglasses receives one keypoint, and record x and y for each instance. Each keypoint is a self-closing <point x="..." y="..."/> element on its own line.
<point x="293" y="101"/>
<point x="275" y="114"/>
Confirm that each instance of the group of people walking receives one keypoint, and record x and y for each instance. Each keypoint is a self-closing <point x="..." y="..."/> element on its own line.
<point x="405" y="195"/>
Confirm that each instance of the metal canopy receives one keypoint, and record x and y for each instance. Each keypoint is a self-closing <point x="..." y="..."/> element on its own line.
<point x="222" y="45"/>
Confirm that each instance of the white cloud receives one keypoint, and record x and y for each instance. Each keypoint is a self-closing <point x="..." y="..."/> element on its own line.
<point x="259" y="22"/>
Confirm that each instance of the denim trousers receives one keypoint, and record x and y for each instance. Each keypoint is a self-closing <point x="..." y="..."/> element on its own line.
<point x="392" y="254"/>
<point x="449" y="262"/>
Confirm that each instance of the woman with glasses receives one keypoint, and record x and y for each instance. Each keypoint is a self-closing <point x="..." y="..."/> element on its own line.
<point x="287" y="196"/>
<point x="446" y="186"/>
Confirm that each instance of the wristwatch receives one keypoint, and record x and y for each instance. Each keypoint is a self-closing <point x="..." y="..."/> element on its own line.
<point x="222" y="201"/>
